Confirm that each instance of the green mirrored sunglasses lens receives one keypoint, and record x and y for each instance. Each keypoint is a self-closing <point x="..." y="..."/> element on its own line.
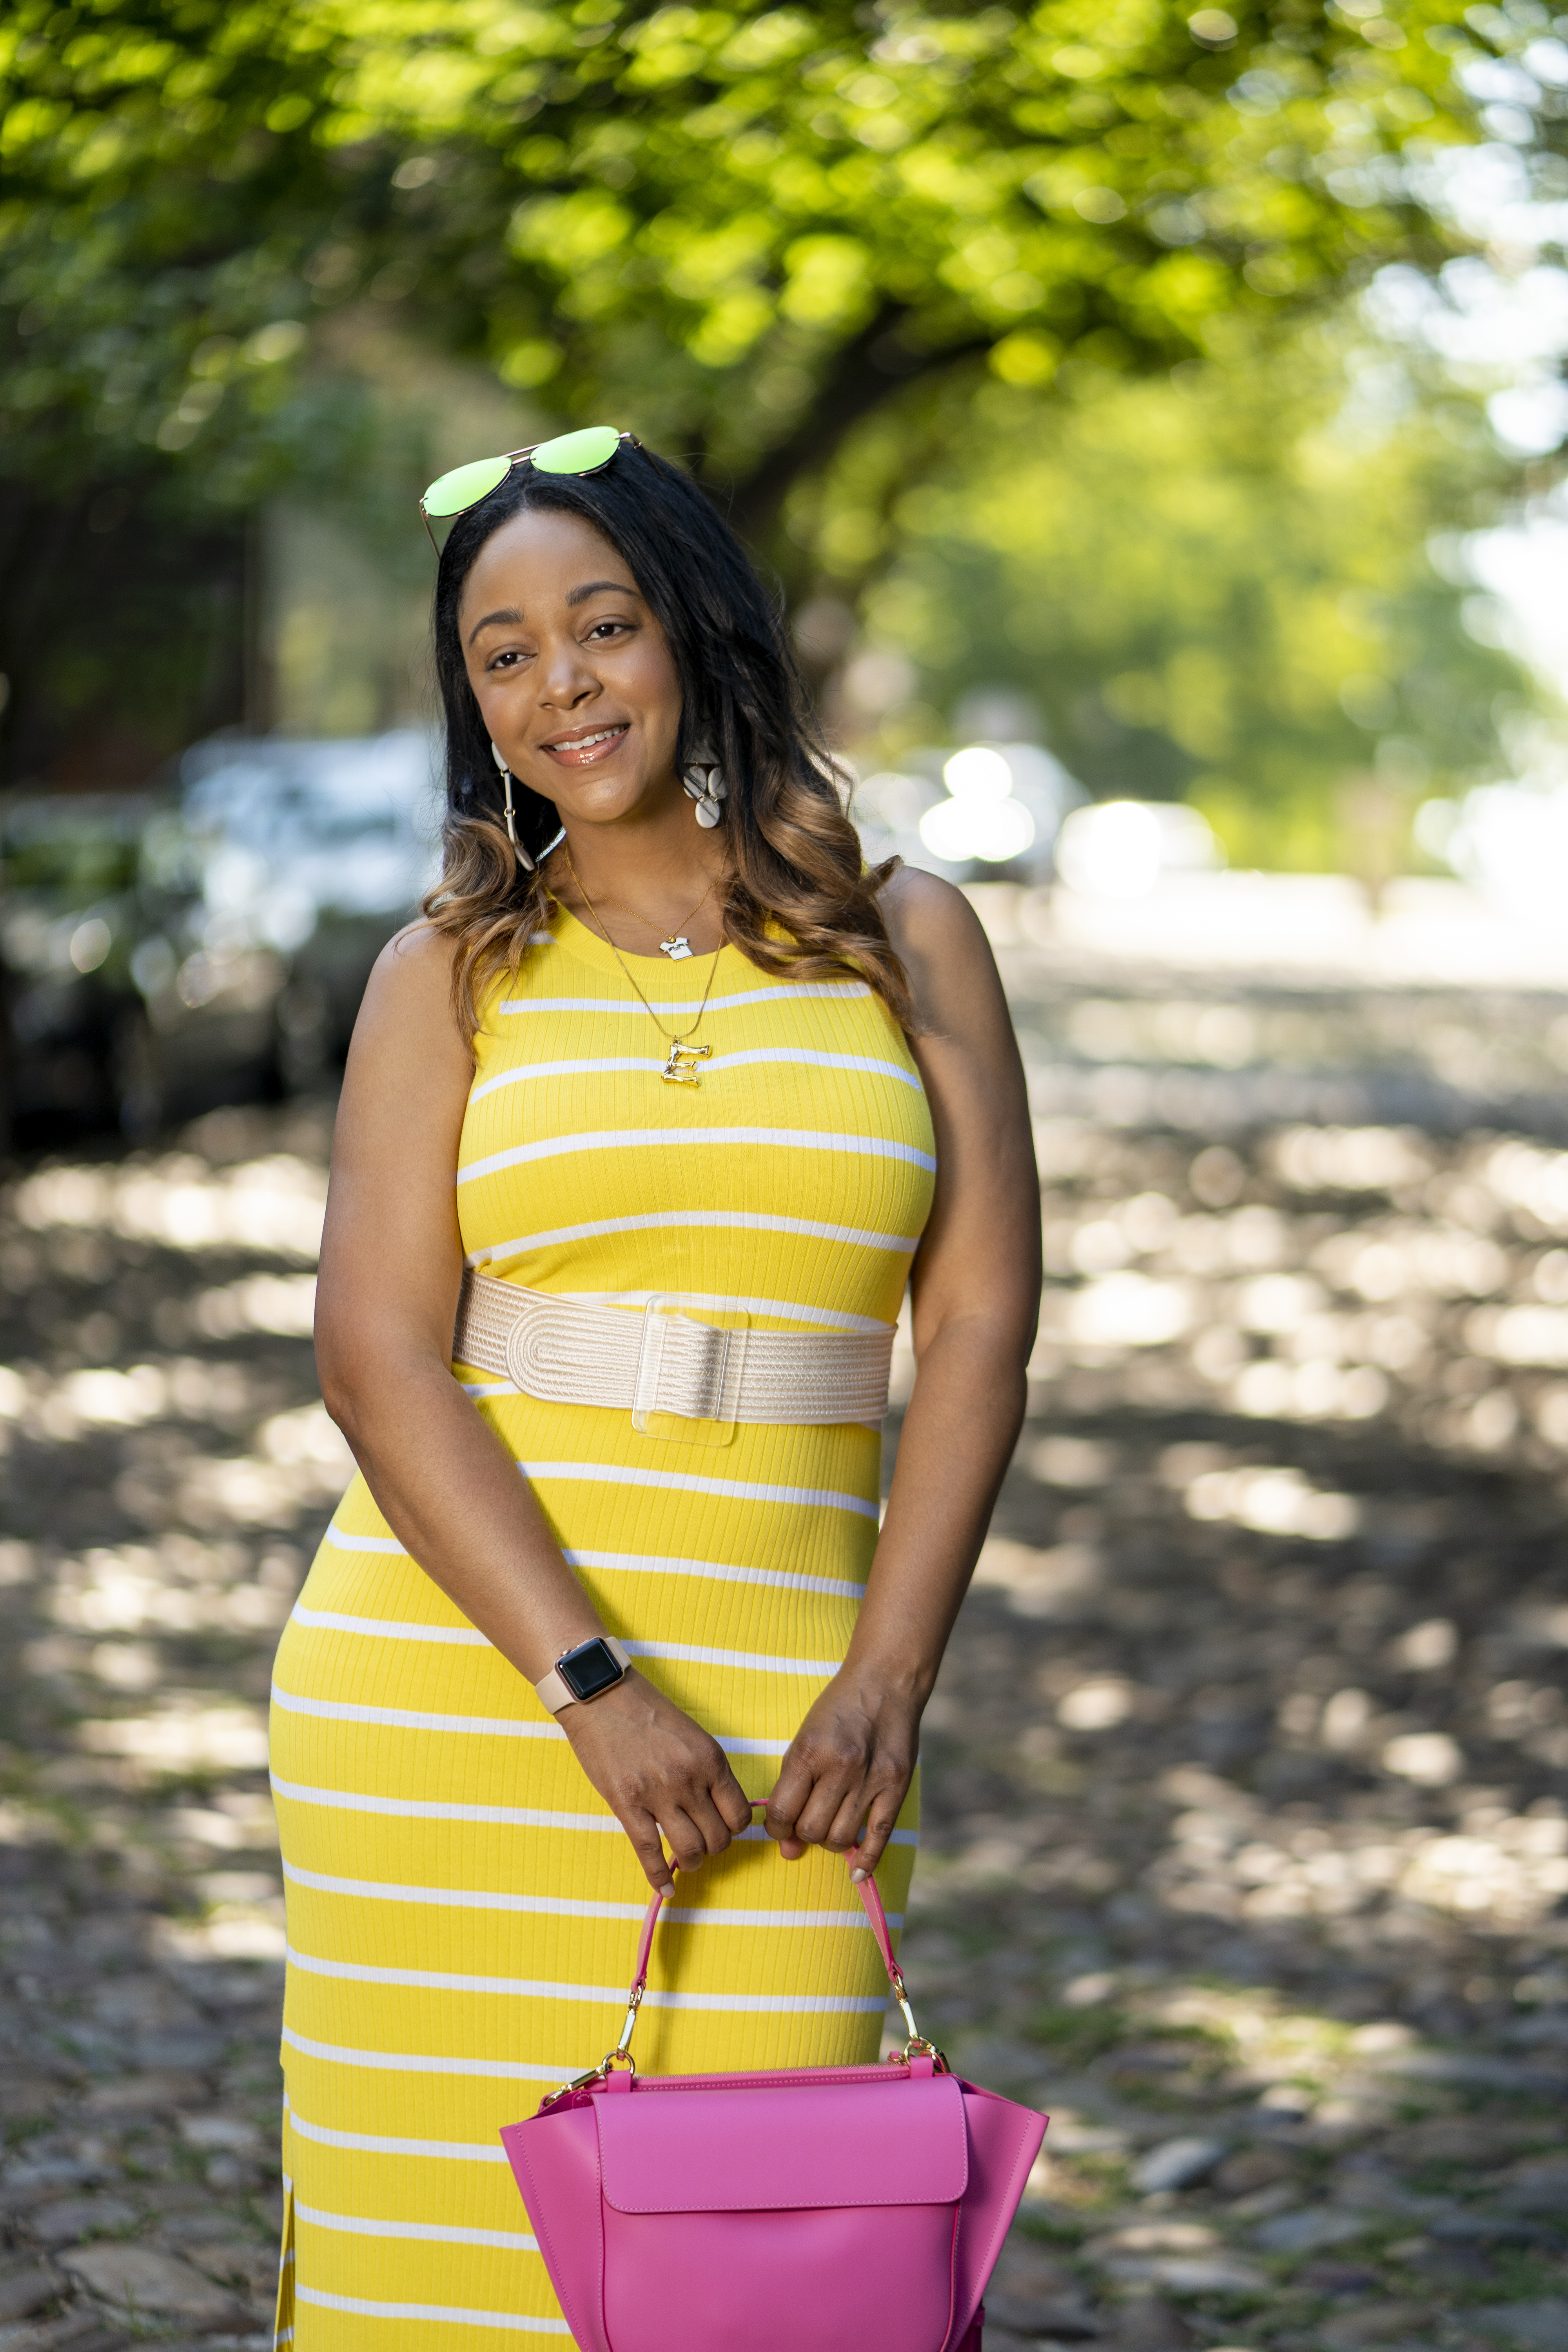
<point x="465" y="485"/>
<point x="578" y="453"/>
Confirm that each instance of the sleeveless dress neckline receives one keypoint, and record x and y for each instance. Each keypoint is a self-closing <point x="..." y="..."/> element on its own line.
<point x="579" y="941"/>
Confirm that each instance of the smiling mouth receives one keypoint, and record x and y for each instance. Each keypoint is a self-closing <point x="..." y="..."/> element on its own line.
<point x="593" y="743"/>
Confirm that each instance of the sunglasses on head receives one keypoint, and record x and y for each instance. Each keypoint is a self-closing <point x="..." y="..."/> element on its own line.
<point x="587" y="452"/>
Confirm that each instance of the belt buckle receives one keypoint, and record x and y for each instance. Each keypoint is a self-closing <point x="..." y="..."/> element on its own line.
<point x="688" y="1381"/>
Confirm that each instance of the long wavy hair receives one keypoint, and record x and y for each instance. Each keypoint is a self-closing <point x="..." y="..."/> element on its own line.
<point x="797" y="897"/>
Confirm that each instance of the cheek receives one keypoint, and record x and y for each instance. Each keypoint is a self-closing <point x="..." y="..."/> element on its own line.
<point x="658" y="685"/>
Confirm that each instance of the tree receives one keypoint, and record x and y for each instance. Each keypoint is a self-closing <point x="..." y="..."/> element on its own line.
<point x="1217" y="589"/>
<point x="744" y="231"/>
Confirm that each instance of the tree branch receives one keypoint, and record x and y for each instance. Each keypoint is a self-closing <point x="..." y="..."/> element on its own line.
<point x="864" y="371"/>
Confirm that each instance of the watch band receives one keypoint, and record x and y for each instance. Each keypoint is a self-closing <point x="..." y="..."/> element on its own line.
<point x="555" y="1691"/>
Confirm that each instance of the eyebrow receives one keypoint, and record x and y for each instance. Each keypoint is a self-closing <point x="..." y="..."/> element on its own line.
<point x="508" y="616"/>
<point x="599" y="588"/>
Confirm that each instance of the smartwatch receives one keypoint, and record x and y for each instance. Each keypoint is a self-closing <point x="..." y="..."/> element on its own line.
<point x="587" y="1671"/>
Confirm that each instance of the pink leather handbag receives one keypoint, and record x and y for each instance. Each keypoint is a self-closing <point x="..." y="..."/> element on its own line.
<point x="833" y="2209"/>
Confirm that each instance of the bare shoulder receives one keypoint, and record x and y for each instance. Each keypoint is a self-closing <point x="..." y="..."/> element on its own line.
<point x="942" y="944"/>
<point x="417" y="957"/>
<point x="925" y="915"/>
<point x="407" y="1002"/>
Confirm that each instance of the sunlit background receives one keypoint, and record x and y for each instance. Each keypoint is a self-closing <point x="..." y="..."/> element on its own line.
<point x="1152" y="422"/>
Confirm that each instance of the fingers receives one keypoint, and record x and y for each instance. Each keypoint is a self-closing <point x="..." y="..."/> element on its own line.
<point x="732" y="1802"/>
<point x="710" y="1831"/>
<point x="829" y="1801"/>
<point x="863" y="1859"/>
<point x="790" y="1791"/>
<point x="668" y="1782"/>
<point x="688" y="1846"/>
<point x="648" y="1847"/>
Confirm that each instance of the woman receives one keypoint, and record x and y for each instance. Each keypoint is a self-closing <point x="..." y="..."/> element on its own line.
<point x="675" y="1046"/>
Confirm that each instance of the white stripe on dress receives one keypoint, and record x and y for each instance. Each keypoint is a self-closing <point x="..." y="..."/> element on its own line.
<point x="522" y="1817"/>
<point x="629" y="1139"/>
<point x="636" y="1563"/>
<point x="788" y="1055"/>
<point x="844" y="989"/>
<point x="458" y="1899"/>
<point x="556" y="1906"/>
<point x="689" y="1653"/>
<point x="458" y="2151"/>
<point x="511" y="2242"/>
<point x="613" y="1996"/>
<point x="432" y="2311"/>
<point x="331" y="1710"/>
<point x="615" y="1474"/>
<point x="333" y="1621"/>
<point x="519" y="1817"/>
<point x="751" y="1662"/>
<point x="398" y="1718"/>
<point x="697" y="1220"/>
<point x="394" y="2062"/>
<point x="344" y="1540"/>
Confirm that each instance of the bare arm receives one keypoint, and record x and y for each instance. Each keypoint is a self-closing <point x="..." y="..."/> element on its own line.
<point x="976" y="1294"/>
<point x="387" y="1299"/>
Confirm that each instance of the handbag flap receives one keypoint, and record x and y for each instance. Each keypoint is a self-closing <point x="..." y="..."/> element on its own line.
<point x="803" y="2145"/>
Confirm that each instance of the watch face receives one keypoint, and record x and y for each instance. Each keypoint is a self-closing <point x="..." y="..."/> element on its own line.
<point x="589" y="1670"/>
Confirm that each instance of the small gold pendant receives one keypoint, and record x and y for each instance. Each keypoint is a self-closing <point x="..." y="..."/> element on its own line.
<point x="679" y="1069"/>
<point x="677" y="949"/>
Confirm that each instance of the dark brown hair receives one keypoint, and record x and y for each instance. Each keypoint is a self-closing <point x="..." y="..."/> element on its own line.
<point x="797" y="898"/>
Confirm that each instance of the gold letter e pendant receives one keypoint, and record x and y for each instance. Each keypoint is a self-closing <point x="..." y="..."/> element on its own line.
<point x="679" y="1068"/>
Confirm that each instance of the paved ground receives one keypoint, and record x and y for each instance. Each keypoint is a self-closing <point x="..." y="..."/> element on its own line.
<point x="1247" y="1841"/>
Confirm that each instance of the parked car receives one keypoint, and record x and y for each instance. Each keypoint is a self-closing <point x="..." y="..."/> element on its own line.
<point x="69" y="925"/>
<point x="313" y="853"/>
<point x="212" y="939"/>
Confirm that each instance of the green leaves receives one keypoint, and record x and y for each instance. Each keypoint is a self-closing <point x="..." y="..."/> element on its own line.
<point x="545" y="186"/>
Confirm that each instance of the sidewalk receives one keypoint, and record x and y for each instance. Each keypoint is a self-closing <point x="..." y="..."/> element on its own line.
<point x="1247" y="1781"/>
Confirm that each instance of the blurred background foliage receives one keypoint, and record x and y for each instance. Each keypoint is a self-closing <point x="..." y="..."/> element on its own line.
<point x="1219" y="590"/>
<point x="1024" y="341"/>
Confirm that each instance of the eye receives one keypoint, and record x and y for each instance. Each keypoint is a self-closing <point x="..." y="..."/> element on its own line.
<point x="608" y="628"/>
<point x="506" y="659"/>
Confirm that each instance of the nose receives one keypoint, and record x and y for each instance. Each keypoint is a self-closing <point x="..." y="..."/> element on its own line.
<point x="566" y="678"/>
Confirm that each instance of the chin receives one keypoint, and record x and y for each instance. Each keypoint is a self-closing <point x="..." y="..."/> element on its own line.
<point x="599" y="799"/>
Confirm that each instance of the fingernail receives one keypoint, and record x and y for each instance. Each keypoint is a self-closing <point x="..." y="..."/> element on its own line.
<point x="667" y="1892"/>
<point x="855" y="1876"/>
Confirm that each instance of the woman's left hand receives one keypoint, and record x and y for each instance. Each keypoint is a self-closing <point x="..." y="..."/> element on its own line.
<point x="848" y="1767"/>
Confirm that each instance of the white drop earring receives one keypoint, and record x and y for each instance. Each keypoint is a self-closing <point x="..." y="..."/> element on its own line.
<point x="498" y="756"/>
<point x="706" y="785"/>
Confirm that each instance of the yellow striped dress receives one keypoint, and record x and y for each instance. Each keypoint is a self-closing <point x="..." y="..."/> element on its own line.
<point x="462" y="1905"/>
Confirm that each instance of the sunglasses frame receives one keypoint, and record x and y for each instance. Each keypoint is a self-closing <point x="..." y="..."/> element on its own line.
<point x="517" y="457"/>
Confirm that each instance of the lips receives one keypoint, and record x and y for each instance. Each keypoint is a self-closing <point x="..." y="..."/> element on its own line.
<point x="588" y="744"/>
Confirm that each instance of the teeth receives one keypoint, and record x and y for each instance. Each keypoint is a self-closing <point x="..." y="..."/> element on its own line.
<point x="582" y="743"/>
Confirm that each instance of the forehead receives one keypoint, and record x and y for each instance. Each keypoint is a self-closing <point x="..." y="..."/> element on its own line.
<point x="538" y="557"/>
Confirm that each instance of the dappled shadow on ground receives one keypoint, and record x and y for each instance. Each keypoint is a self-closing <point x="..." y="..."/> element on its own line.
<point x="1247" y="1846"/>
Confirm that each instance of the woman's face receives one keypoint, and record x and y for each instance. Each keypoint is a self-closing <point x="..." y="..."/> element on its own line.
<point x="572" y="674"/>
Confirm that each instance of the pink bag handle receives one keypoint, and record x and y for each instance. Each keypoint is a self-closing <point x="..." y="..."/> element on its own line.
<point x="870" y="1898"/>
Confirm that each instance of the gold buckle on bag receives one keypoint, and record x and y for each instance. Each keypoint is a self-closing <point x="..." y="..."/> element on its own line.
<point x="917" y="2042"/>
<point x="620" y="2055"/>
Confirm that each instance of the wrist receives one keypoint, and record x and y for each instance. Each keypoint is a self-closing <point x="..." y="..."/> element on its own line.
<point x="876" y="1674"/>
<point x="584" y="1674"/>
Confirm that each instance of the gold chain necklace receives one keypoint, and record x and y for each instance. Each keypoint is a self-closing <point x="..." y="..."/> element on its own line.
<point x="677" y="947"/>
<point x="679" y="1068"/>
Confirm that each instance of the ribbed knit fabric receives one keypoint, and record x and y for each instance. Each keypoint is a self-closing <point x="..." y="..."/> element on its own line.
<point x="462" y="1905"/>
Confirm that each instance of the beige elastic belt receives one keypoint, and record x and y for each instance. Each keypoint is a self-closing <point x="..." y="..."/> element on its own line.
<point x="662" y="1361"/>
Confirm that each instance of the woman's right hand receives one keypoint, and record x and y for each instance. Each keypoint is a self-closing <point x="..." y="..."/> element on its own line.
<point x="658" y="1771"/>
